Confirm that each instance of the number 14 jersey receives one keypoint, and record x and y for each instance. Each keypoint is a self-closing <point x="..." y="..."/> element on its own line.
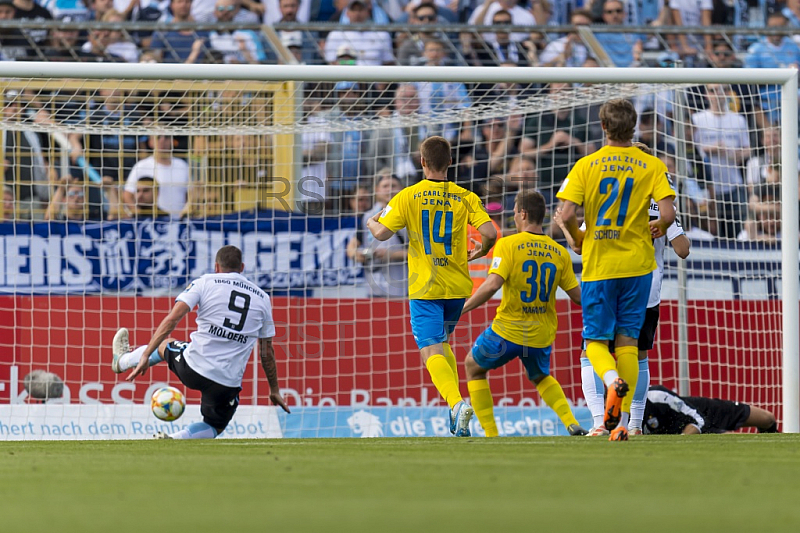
<point x="232" y="313"/>
<point x="532" y="266"/>
<point x="615" y="185"/>
<point x="436" y="214"/>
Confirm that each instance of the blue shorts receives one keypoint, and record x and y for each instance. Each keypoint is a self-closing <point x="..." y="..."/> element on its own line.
<point x="432" y="321"/>
<point x="493" y="351"/>
<point x="614" y="306"/>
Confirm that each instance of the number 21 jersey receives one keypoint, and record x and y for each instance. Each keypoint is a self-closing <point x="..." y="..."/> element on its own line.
<point x="436" y="214"/>
<point x="615" y="185"/>
<point x="232" y="313"/>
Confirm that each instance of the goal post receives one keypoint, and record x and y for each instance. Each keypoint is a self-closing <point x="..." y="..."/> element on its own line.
<point x="345" y="351"/>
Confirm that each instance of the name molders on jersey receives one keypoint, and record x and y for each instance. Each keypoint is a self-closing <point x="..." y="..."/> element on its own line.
<point x="231" y="336"/>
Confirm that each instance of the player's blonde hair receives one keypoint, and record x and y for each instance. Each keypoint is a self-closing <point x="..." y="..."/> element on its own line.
<point x="618" y="117"/>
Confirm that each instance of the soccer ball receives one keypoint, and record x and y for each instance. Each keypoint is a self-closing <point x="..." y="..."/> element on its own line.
<point x="168" y="404"/>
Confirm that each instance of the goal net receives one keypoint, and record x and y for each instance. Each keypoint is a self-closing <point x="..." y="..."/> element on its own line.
<point x="121" y="182"/>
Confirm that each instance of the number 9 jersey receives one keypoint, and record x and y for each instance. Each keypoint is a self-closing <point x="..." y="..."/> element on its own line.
<point x="532" y="266"/>
<point x="436" y="214"/>
<point x="615" y="185"/>
<point x="232" y="313"/>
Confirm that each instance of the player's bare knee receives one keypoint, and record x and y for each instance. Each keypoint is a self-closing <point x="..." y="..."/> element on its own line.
<point x="473" y="370"/>
<point x="163" y="346"/>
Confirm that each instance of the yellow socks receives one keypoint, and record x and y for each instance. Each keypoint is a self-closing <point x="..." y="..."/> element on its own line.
<point x="451" y="359"/>
<point x="481" y="396"/>
<point x="443" y="379"/>
<point x="601" y="359"/>
<point x="553" y="395"/>
<point x="628" y="368"/>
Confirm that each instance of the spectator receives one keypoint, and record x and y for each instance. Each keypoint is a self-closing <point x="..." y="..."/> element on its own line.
<point x="64" y="44"/>
<point x="791" y="11"/>
<point x="498" y="49"/>
<point x="316" y="141"/>
<point x="398" y="147"/>
<point x="352" y="154"/>
<point x="9" y="211"/>
<point x="112" y="44"/>
<point x="13" y="44"/>
<point x="471" y="161"/>
<point x="773" y="51"/>
<point x="33" y="12"/>
<point x="483" y="16"/>
<point x="411" y="51"/>
<point x="385" y="263"/>
<point x="624" y="49"/>
<point x="764" y="223"/>
<point x="170" y="173"/>
<point x="286" y="11"/>
<point x="743" y="98"/>
<point x="371" y="47"/>
<point x="238" y="46"/>
<point x="498" y="143"/>
<point x="184" y="46"/>
<point x="144" y="204"/>
<point x="764" y="167"/>
<point x="357" y="201"/>
<point x="68" y="202"/>
<point x="692" y="13"/>
<point x="375" y="15"/>
<point x="440" y="97"/>
<point x="98" y="8"/>
<point x="568" y="51"/>
<point x="521" y="175"/>
<point x="111" y="155"/>
<point x="556" y="140"/>
<point x="724" y="142"/>
<point x="304" y="40"/>
<point x="24" y="167"/>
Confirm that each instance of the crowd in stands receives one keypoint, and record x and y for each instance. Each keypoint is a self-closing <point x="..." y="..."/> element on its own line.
<point x="729" y="177"/>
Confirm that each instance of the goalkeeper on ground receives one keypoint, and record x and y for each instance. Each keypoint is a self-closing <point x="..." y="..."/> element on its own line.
<point x="436" y="213"/>
<point x="529" y="266"/>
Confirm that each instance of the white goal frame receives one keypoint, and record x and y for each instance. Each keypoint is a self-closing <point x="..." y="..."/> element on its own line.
<point x="787" y="79"/>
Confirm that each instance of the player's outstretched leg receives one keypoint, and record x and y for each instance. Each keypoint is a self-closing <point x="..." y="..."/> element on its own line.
<point x="198" y="430"/>
<point x="119" y="347"/>
<point x="551" y="392"/>
<point x="123" y="358"/>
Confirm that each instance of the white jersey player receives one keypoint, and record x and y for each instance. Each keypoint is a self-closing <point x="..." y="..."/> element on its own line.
<point x="232" y="313"/>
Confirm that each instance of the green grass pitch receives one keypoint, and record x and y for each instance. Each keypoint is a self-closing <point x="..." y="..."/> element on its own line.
<point x="650" y="484"/>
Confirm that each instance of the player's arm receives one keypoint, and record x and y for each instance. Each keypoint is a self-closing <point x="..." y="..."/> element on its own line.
<point x="575" y="294"/>
<point x="488" y="238"/>
<point x="666" y="211"/>
<point x="569" y="218"/>
<point x="681" y="244"/>
<point x="267" y="355"/>
<point x="484" y="292"/>
<point x="167" y="326"/>
<point x="378" y="230"/>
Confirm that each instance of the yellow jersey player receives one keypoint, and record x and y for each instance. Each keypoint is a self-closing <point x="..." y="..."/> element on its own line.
<point x="436" y="213"/>
<point x="529" y="266"/>
<point x="615" y="186"/>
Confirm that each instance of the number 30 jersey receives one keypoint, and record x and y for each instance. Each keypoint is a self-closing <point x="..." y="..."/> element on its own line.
<point x="615" y="185"/>
<point x="232" y="313"/>
<point x="532" y="266"/>
<point x="436" y="214"/>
